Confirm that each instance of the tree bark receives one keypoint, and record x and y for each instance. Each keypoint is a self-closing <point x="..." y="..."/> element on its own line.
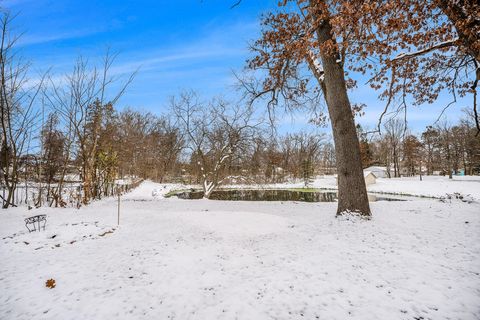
<point x="352" y="191"/>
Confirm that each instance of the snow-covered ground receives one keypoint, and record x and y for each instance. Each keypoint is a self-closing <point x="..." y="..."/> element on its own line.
<point x="435" y="186"/>
<point x="203" y="259"/>
<point x="430" y="186"/>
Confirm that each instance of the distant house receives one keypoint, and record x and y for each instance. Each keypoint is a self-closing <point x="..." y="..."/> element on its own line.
<point x="370" y="177"/>
<point x="379" y="172"/>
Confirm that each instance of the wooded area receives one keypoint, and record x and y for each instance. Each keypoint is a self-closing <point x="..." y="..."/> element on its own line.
<point x="71" y="130"/>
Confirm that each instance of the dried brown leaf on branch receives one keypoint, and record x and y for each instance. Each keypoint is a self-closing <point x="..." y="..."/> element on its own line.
<point x="413" y="52"/>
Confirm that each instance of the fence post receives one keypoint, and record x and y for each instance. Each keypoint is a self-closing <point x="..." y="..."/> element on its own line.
<point x="79" y="195"/>
<point x="118" y="208"/>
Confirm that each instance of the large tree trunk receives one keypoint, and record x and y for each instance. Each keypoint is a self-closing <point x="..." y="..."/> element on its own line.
<point x="352" y="191"/>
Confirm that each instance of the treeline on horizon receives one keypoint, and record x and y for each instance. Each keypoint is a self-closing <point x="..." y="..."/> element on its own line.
<point x="208" y="143"/>
<point x="68" y="130"/>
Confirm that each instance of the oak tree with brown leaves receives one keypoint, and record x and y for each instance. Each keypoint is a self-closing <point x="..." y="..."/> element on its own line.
<point x="415" y="50"/>
<point x="411" y="50"/>
<point x="298" y="43"/>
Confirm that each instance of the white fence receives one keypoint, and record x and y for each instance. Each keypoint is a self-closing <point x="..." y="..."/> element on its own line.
<point x="37" y="195"/>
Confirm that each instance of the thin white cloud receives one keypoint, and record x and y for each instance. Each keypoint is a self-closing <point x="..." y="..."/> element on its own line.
<point x="214" y="44"/>
<point x="33" y="39"/>
<point x="160" y="59"/>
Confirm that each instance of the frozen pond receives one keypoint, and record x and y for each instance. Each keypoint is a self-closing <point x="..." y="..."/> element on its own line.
<point x="278" y="195"/>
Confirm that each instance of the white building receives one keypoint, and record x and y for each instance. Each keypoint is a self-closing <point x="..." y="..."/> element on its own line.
<point x="370" y="177"/>
<point x="379" y="172"/>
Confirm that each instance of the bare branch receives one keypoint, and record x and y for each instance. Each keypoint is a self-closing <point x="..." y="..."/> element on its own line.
<point x="445" y="44"/>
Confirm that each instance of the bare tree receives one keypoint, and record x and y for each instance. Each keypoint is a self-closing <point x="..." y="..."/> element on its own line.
<point x="17" y="114"/>
<point x="412" y="155"/>
<point x="148" y="146"/>
<point x="446" y="147"/>
<point x="471" y="143"/>
<point x="395" y="129"/>
<point x="165" y="144"/>
<point x="52" y="157"/>
<point x="216" y="133"/>
<point x="85" y="104"/>
<point x="328" y="161"/>
<point x="300" y="154"/>
<point x="430" y="141"/>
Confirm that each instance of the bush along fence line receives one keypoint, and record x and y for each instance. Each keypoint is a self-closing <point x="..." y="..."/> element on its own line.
<point x="70" y="194"/>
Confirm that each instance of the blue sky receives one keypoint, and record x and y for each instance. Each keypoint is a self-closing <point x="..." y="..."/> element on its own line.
<point x="178" y="45"/>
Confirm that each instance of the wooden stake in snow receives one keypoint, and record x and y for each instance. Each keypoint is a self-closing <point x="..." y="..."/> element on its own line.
<point x="118" y="206"/>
